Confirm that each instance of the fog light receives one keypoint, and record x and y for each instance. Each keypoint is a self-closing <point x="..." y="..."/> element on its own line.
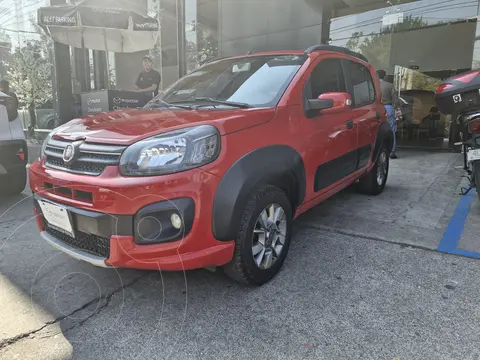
<point x="176" y="221"/>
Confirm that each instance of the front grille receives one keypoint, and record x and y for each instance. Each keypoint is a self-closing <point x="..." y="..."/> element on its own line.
<point x="92" y="159"/>
<point x="77" y="167"/>
<point x="88" y="243"/>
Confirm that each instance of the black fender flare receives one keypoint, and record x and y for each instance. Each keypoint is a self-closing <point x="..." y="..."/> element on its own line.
<point x="384" y="136"/>
<point x="278" y="165"/>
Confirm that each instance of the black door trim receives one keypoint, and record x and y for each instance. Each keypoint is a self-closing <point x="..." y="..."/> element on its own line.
<point x="337" y="169"/>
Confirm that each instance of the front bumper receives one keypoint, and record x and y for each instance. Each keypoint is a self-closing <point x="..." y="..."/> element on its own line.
<point x="107" y="214"/>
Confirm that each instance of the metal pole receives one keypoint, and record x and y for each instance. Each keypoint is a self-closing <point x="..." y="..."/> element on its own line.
<point x="107" y="58"/>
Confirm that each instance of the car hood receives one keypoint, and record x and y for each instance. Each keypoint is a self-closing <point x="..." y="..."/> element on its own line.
<point x="129" y="126"/>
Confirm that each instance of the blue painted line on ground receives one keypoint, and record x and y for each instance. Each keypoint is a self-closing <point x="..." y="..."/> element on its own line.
<point x="453" y="233"/>
<point x="466" y="253"/>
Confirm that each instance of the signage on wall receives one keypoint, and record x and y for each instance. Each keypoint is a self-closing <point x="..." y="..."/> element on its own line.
<point x="107" y="100"/>
<point x="119" y="100"/>
<point x="94" y="102"/>
<point x="392" y="19"/>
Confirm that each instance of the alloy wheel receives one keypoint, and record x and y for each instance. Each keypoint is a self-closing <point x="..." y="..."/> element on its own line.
<point x="269" y="236"/>
<point x="382" y="168"/>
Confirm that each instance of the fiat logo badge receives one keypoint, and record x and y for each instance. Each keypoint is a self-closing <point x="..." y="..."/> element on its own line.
<point x="68" y="154"/>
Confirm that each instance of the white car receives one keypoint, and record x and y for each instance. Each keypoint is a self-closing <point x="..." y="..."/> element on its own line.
<point x="13" y="148"/>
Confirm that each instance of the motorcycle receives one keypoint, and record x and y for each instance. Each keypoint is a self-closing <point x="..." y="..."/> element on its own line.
<point x="460" y="96"/>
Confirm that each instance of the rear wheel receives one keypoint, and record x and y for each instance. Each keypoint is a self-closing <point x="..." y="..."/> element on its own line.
<point x="263" y="238"/>
<point x="373" y="183"/>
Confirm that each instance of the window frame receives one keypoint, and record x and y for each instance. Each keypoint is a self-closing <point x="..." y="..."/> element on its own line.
<point x="307" y="88"/>
<point x="347" y="76"/>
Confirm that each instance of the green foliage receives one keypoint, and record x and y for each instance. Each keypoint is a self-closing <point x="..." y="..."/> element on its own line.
<point x="377" y="46"/>
<point x="5" y="49"/>
<point x="30" y="75"/>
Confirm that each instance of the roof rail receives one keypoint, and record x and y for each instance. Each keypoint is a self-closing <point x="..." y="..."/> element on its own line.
<point x="338" y="49"/>
<point x="250" y="52"/>
<point x="212" y="60"/>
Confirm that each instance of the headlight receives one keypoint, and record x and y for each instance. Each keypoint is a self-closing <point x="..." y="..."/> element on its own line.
<point x="44" y="145"/>
<point x="171" y="152"/>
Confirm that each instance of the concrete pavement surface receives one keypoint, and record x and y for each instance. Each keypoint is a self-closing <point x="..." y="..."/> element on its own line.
<point x="362" y="281"/>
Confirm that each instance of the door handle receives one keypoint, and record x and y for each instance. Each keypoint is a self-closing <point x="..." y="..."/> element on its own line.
<point x="349" y="124"/>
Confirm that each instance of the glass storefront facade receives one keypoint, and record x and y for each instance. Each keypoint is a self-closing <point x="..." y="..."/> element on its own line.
<point x="418" y="44"/>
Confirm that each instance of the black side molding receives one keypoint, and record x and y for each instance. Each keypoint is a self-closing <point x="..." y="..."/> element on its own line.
<point x="384" y="135"/>
<point x="278" y="165"/>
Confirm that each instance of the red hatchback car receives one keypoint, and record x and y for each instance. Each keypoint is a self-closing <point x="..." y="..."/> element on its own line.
<point x="213" y="170"/>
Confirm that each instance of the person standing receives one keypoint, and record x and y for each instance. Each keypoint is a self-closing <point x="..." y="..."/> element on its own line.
<point x="433" y="119"/>
<point x="149" y="79"/>
<point x="389" y="100"/>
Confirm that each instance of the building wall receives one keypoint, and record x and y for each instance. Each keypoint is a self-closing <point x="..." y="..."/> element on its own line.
<point x="233" y="27"/>
<point x="127" y="67"/>
<point x="269" y="25"/>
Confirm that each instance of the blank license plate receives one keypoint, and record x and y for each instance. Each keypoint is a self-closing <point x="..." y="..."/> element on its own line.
<point x="473" y="155"/>
<point x="57" y="216"/>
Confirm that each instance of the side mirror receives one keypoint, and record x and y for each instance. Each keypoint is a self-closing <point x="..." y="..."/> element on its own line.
<point x="330" y="103"/>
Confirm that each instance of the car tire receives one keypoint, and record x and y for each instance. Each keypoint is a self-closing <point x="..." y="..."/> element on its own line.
<point x="14" y="183"/>
<point x="373" y="182"/>
<point x="265" y="223"/>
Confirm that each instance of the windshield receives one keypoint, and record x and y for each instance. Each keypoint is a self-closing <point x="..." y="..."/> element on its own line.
<point x="257" y="81"/>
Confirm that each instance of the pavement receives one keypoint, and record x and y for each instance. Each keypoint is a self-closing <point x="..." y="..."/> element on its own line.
<point x="387" y="277"/>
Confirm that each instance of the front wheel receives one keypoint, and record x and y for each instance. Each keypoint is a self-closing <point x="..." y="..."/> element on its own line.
<point x="263" y="238"/>
<point x="373" y="182"/>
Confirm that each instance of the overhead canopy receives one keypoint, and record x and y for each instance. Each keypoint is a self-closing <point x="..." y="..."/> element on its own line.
<point x="111" y="26"/>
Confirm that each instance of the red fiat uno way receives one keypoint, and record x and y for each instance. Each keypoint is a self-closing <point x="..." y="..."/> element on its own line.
<point x="213" y="171"/>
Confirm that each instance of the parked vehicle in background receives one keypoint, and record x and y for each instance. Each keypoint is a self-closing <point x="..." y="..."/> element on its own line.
<point x="460" y="96"/>
<point x="213" y="171"/>
<point x="46" y="118"/>
<point x="13" y="148"/>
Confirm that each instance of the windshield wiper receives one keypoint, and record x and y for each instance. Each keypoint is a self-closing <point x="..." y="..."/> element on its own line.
<point x="229" y="103"/>
<point x="168" y="105"/>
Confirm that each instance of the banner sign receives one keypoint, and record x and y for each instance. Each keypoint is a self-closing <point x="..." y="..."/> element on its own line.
<point x="52" y="16"/>
<point x="94" y="102"/>
<point x="111" y="100"/>
<point x="104" y="18"/>
<point x="95" y="17"/>
<point x="127" y="99"/>
<point x="144" y="23"/>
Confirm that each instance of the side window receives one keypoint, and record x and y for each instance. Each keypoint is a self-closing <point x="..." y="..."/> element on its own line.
<point x="327" y="77"/>
<point x="361" y="83"/>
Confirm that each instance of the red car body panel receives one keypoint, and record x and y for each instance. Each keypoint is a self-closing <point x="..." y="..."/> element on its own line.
<point x="242" y="131"/>
<point x="129" y="126"/>
<point x="116" y="195"/>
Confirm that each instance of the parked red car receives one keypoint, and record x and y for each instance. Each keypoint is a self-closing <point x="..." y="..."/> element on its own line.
<point x="213" y="171"/>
